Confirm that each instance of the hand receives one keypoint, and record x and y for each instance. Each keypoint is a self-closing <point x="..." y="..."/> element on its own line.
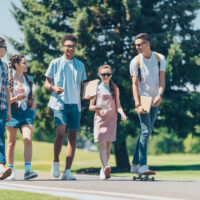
<point x="140" y="110"/>
<point x="124" y="117"/>
<point x="8" y="115"/>
<point x="88" y="97"/>
<point x="20" y="97"/>
<point x="57" y="90"/>
<point x="33" y="105"/>
<point x="157" y="101"/>
<point x="97" y="110"/>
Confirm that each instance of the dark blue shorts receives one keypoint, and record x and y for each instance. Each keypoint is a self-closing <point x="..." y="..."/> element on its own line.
<point x="70" y="117"/>
<point x="21" y="117"/>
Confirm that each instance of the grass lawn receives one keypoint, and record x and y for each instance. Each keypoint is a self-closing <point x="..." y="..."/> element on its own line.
<point x="173" y="166"/>
<point x="19" y="195"/>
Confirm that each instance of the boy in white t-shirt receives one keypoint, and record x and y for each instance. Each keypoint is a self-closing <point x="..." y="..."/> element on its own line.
<point x="148" y="79"/>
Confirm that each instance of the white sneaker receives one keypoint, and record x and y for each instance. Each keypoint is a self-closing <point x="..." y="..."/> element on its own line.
<point x="102" y="175"/>
<point x="5" y="172"/>
<point x="135" y="168"/>
<point x="11" y="177"/>
<point x="144" y="169"/>
<point x="55" y="170"/>
<point x="67" y="175"/>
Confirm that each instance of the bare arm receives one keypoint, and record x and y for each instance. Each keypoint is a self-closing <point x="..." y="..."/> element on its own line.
<point x="8" y="105"/>
<point x="135" y="87"/>
<point x="119" y="107"/>
<point x="48" y="86"/>
<point x="158" y="99"/>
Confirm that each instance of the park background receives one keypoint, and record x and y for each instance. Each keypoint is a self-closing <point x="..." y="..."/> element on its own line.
<point x="105" y="31"/>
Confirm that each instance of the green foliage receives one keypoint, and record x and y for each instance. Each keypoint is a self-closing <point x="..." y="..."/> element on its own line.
<point x="165" y="142"/>
<point x="105" y="31"/>
<point x="191" y="144"/>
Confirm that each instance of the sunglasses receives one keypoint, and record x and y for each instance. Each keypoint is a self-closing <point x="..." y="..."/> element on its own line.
<point x="106" y="74"/>
<point x="140" y="44"/>
<point x="70" y="46"/>
<point x="5" y="47"/>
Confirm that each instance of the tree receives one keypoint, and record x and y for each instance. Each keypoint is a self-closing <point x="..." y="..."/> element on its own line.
<point x="105" y="31"/>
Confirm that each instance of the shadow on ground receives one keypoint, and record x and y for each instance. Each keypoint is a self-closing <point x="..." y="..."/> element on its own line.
<point x="93" y="170"/>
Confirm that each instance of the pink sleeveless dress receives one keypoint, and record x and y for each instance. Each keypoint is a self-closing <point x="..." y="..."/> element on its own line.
<point x="105" y="123"/>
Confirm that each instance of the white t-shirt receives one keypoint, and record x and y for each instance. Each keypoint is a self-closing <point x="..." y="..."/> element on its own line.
<point x="24" y="90"/>
<point x="149" y="84"/>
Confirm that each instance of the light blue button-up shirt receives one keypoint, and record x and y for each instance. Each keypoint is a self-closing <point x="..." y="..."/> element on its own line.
<point x="67" y="74"/>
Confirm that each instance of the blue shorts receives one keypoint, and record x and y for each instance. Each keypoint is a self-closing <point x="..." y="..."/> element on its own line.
<point x="21" y="117"/>
<point x="70" y="116"/>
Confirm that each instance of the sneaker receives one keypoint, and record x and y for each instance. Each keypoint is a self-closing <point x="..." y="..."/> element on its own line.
<point x="30" y="174"/>
<point x="102" y="175"/>
<point x="11" y="177"/>
<point x="135" y="168"/>
<point x="67" y="175"/>
<point x="55" y="171"/>
<point x="5" y="172"/>
<point x="144" y="169"/>
<point x="107" y="171"/>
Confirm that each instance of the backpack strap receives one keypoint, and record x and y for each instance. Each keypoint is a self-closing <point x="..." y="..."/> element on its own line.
<point x="138" y="64"/>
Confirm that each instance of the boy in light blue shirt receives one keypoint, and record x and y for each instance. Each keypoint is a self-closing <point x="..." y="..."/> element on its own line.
<point x="64" y="78"/>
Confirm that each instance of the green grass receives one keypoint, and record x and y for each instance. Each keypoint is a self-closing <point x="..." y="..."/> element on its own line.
<point x="19" y="195"/>
<point x="173" y="166"/>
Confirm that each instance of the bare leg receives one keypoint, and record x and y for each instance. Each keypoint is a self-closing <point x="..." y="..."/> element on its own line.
<point x="27" y="131"/>
<point x="60" y="136"/>
<point x="11" y="141"/>
<point x="103" y="153"/>
<point x="71" y="148"/>
<point x="108" y="151"/>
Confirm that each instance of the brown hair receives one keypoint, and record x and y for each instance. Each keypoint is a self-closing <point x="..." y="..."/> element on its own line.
<point x="13" y="60"/>
<point x="111" y="84"/>
<point x="68" y="37"/>
<point x="2" y="40"/>
<point x="143" y="36"/>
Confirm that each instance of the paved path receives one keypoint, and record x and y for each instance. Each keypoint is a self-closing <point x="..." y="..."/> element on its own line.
<point x="89" y="187"/>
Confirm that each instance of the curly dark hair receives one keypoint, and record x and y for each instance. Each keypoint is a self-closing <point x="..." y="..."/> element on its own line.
<point x="13" y="60"/>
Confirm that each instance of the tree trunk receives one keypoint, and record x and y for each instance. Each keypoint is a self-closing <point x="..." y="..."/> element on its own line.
<point x="121" y="156"/>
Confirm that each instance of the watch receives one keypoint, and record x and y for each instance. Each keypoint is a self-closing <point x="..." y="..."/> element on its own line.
<point x="161" y="95"/>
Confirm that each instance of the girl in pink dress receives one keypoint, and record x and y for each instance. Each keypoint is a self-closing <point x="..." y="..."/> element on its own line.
<point x="105" y="119"/>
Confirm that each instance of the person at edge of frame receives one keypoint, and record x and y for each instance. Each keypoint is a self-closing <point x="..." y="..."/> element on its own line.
<point x="148" y="79"/>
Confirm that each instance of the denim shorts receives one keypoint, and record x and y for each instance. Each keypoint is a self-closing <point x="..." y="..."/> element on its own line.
<point x="21" y="117"/>
<point x="70" y="117"/>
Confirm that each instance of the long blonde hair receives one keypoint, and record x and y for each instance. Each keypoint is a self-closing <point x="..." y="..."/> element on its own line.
<point x="111" y="84"/>
<point x="13" y="60"/>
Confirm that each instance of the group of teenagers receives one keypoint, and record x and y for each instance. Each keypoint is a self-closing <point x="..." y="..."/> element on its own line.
<point x="65" y="77"/>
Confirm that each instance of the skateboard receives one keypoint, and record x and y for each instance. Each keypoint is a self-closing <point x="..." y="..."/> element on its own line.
<point x="145" y="176"/>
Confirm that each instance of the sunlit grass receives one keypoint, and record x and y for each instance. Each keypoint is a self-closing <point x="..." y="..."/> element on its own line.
<point x="173" y="166"/>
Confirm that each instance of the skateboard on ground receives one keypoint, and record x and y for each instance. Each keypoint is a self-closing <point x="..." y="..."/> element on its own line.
<point x="145" y="176"/>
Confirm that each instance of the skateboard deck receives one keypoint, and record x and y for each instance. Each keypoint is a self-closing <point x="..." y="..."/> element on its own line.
<point x="145" y="176"/>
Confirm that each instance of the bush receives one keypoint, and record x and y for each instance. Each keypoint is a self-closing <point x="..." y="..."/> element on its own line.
<point x="191" y="144"/>
<point x="165" y="142"/>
